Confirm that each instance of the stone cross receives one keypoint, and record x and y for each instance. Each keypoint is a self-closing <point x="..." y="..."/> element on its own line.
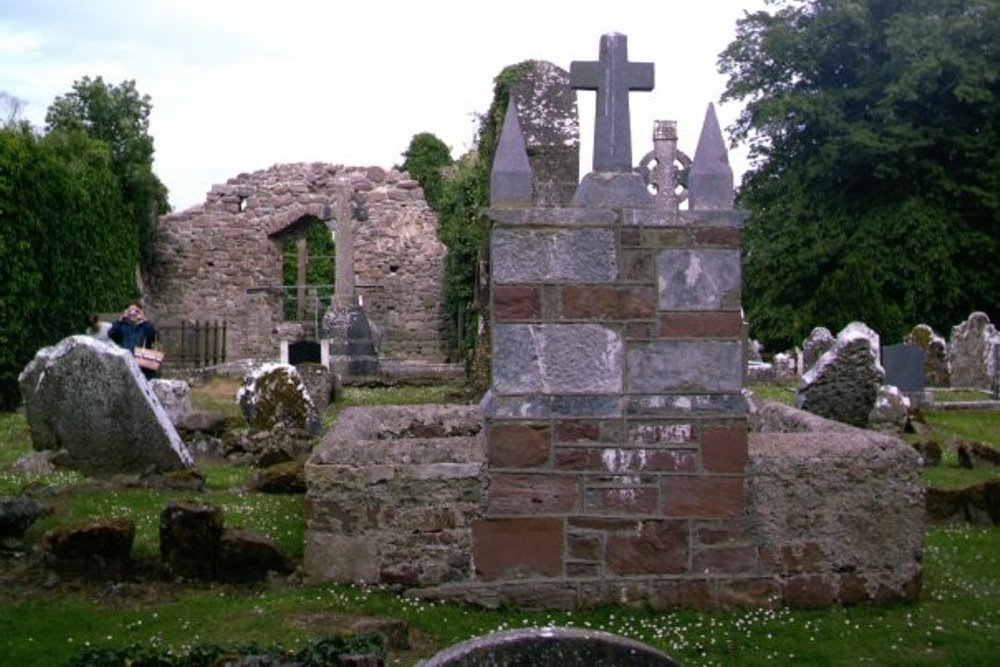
<point x="612" y="76"/>
<point x="344" y="289"/>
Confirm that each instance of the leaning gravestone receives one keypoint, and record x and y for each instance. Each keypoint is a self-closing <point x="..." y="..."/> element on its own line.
<point x="936" y="373"/>
<point x="815" y="346"/>
<point x="843" y="384"/>
<point x="566" y="647"/>
<point x="92" y="400"/>
<point x="972" y="353"/>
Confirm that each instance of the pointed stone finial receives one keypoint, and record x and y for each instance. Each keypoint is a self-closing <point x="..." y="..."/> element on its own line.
<point x="511" y="181"/>
<point x="710" y="180"/>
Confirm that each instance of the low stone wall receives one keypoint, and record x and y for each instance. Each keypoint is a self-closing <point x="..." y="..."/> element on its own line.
<point x="392" y="496"/>
<point x="835" y="514"/>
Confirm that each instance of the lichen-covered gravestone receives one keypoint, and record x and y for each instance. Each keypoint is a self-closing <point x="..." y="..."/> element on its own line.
<point x="972" y="353"/>
<point x="92" y="400"/>
<point x="936" y="373"/>
<point x="843" y="384"/>
<point x="814" y="346"/>
<point x="274" y="394"/>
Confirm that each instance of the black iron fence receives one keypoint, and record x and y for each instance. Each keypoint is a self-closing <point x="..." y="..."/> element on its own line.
<point x="193" y="343"/>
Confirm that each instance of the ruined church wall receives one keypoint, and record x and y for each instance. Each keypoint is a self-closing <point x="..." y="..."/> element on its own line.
<point x="222" y="259"/>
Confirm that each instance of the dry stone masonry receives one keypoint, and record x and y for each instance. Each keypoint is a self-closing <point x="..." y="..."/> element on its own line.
<point x="223" y="258"/>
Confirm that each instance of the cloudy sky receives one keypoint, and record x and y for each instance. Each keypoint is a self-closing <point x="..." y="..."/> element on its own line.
<point x="240" y="85"/>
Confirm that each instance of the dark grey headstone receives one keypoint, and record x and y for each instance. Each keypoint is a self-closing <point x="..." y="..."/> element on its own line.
<point x="904" y="367"/>
<point x="613" y="77"/>
<point x="564" y="647"/>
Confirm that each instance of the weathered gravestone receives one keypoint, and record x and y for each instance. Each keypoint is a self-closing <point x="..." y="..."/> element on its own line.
<point x="936" y="373"/>
<point x="972" y="352"/>
<point x="275" y="395"/>
<point x="92" y="400"/>
<point x="566" y="647"/>
<point x="815" y="346"/>
<point x="843" y="384"/>
<point x="175" y="397"/>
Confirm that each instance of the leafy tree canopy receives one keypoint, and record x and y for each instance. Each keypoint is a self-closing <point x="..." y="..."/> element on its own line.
<point x="425" y="159"/>
<point x="874" y="128"/>
<point x="118" y="116"/>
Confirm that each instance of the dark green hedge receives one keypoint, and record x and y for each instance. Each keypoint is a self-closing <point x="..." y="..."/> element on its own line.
<point x="66" y="245"/>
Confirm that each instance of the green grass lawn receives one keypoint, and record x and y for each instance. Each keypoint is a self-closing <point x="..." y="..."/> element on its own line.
<point x="957" y="621"/>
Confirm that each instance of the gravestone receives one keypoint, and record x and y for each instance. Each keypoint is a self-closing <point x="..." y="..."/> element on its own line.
<point x="548" y="119"/>
<point x="274" y="395"/>
<point x="972" y="353"/>
<point x="843" y="384"/>
<point x="92" y="400"/>
<point x="904" y="367"/>
<point x="566" y="647"/>
<point x="936" y="373"/>
<point x="814" y="346"/>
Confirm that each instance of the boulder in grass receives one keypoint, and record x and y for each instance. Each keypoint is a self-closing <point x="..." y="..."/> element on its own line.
<point x="92" y="400"/>
<point x="98" y="549"/>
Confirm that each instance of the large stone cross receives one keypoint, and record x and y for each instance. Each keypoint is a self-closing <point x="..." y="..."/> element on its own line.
<point x="612" y="77"/>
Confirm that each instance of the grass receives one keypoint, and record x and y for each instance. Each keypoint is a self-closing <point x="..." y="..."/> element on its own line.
<point x="957" y="621"/>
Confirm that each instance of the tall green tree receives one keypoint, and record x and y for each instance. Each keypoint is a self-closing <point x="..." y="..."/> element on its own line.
<point x="874" y="133"/>
<point x="118" y="116"/>
<point x="67" y="246"/>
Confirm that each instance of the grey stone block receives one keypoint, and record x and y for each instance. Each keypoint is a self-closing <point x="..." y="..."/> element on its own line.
<point x="530" y="255"/>
<point x="557" y="359"/>
<point x="684" y="405"/>
<point x="705" y="279"/>
<point x="685" y="365"/>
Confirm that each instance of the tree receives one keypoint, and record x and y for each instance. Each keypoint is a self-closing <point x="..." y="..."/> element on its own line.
<point x="426" y="158"/>
<point x="873" y="128"/>
<point x="67" y="247"/>
<point x="118" y="116"/>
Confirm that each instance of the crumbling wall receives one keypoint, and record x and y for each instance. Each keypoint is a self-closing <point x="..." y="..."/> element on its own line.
<point x="222" y="259"/>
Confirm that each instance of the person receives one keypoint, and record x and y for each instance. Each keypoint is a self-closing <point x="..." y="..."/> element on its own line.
<point x="97" y="328"/>
<point x="134" y="330"/>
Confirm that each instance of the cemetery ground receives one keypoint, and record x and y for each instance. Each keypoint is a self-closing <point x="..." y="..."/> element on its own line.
<point x="49" y="620"/>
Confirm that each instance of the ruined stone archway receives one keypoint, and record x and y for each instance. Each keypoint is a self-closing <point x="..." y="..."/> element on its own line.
<point x="219" y="259"/>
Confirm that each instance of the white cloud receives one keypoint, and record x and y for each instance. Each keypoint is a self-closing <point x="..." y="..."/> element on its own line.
<point x="238" y="86"/>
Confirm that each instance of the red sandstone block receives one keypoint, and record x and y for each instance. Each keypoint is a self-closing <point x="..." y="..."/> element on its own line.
<point x="808" y="591"/>
<point x="660" y="547"/>
<point x="852" y="590"/>
<point x="583" y="570"/>
<point x="637" y="266"/>
<point x="516" y="302"/>
<point x="725" y="560"/>
<point x="589" y="302"/>
<point x="717" y="236"/>
<point x="576" y="431"/>
<point x="509" y="548"/>
<point x="624" y="500"/>
<point x="637" y="302"/>
<point x="681" y="594"/>
<point x="512" y="493"/>
<point x="517" y="445"/>
<point x="623" y="460"/>
<point x="703" y="497"/>
<point x="671" y="237"/>
<point x="727" y="532"/>
<point x="724" y="447"/>
<point x="721" y="324"/>
<point x="550" y="303"/>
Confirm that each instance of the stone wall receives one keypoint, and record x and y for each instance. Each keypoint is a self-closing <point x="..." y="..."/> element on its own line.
<point x="222" y="259"/>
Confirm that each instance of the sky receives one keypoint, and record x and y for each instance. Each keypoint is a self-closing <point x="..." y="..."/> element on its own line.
<point x="238" y="86"/>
